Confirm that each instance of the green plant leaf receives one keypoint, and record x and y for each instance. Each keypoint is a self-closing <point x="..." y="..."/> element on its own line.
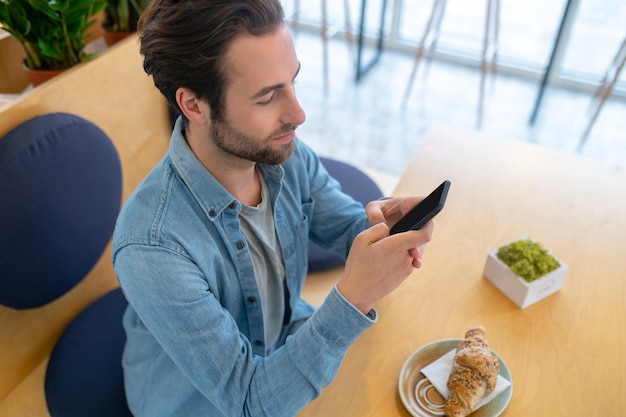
<point x="43" y="9"/>
<point x="122" y="15"/>
<point x="14" y="18"/>
<point x="52" y="32"/>
<point x="59" y="5"/>
<point x="48" y="50"/>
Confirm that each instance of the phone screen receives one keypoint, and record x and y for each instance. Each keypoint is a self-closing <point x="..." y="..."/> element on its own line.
<point x="424" y="211"/>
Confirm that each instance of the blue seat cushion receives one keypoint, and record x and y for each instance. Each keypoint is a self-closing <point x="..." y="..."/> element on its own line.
<point x="61" y="183"/>
<point x="355" y="183"/>
<point x="84" y="375"/>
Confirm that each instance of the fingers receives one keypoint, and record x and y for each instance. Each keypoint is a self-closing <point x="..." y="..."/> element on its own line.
<point x="412" y="243"/>
<point x="415" y="238"/>
<point x="375" y="211"/>
<point x="378" y="263"/>
<point x="417" y="241"/>
<point x="416" y="254"/>
<point x="390" y="211"/>
<point x="377" y="232"/>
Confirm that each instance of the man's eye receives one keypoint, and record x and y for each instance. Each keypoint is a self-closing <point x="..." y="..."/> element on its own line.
<point x="268" y="101"/>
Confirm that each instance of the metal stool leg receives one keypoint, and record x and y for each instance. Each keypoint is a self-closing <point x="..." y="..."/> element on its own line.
<point x="295" y="16"/>
<point x="326" y="33"/>
<point x="348" y="28"/>
<point x="489" y="53"/>
<point x="604" y="91"/>
<point x="427" y="43"/>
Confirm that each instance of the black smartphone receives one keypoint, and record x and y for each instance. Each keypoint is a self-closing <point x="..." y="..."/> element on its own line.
<point x="424" y="211"/>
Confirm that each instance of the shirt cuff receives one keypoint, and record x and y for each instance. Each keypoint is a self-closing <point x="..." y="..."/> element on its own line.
<point x="372" y="314"/>
<point x="339" y="322"/>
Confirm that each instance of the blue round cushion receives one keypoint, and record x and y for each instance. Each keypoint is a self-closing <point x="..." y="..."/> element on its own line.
<point x="84" y="375"/>
<point x="61" y="183"/>
<point x="355" y="183"/>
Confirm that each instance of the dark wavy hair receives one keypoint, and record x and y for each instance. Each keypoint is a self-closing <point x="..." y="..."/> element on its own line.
<point x="183" y="43"/>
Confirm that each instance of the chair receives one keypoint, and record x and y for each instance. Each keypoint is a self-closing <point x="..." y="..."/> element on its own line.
<point x="604" y="91"/>
<point x="355" y="183"/>
<point x="61" y="184"/>
<point x="326" y="32"/>
<point x="84" y="375"/>
<point x="428" y="42"/>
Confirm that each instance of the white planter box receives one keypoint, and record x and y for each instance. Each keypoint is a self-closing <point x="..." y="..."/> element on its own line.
<point x="518" y="290"/>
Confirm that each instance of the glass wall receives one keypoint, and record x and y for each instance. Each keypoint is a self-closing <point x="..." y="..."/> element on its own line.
<point x="592" y="33"/>
<point x="598" y="30"/>
<point x="526" y="32"/>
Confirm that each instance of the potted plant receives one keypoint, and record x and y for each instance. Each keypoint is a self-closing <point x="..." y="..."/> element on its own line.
<point x="120" y="19"/>
<point x="525" y="271"/>
<point x="52" y="32"/>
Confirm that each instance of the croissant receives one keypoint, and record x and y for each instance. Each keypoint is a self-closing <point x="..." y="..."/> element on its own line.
<point x="474" y="373"/>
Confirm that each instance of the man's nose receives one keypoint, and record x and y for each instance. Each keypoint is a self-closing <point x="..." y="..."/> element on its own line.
<point x="293" y="113"/>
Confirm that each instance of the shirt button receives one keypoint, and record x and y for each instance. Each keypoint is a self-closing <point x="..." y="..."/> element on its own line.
<point x="251" y="299"/>
<point x="241" y="245"/>
<point x="258" y="342"/>
<point x="212" y="213"/>
<point x="232" y="205"/>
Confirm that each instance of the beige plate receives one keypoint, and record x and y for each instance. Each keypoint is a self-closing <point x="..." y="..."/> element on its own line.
<point x="421" y="399"/>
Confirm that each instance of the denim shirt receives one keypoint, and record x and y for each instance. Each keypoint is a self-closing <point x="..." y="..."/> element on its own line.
<point x="195" y="338"/>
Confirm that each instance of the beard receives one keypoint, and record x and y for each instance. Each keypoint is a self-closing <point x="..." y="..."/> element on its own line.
<point x="262" y="150"/>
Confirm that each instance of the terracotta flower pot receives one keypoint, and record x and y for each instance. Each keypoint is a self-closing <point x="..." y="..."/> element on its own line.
<point x="111" y="38"/>
<point x="38" y="77"/>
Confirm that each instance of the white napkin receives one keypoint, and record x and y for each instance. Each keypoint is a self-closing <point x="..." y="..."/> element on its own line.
<point x="438" y="371"/>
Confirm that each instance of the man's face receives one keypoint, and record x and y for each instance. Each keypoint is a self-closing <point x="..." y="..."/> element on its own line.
<point x="261" y="109"/>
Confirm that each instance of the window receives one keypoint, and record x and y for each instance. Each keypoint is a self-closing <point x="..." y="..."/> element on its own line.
<point x="597" y="32"/>
<point x="528" y="29"/>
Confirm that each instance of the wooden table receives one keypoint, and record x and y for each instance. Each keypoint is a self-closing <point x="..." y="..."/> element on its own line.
<point x="566" y="353"/>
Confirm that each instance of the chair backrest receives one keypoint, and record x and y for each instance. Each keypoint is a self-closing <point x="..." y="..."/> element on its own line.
<point x="359" y="186"/>
<point x="61" y="185"/>
<point x="84" y="376"/>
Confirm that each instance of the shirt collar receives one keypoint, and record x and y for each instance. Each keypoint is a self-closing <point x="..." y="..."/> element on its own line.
<point x="207" y="191"/>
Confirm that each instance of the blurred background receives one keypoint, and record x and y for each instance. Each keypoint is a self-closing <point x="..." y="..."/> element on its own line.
<point x="375" y="124"/>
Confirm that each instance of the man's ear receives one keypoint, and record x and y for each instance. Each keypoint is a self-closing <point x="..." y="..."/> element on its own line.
<point x="195" y="110"/>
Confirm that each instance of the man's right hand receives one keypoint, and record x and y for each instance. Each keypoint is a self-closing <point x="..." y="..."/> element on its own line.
<point x="378" y="263"/>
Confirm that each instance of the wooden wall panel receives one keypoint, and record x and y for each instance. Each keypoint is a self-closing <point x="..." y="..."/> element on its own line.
<point x="13" y="79"/>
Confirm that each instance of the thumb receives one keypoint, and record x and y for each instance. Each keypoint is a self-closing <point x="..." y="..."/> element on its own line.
<point x="374" y="212"/>
<point x="375" y="233"/>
